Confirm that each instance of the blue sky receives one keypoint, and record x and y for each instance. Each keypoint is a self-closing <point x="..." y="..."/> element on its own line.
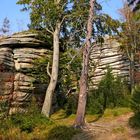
<point x="19" y="20"/>
<point x="111" y="7"/>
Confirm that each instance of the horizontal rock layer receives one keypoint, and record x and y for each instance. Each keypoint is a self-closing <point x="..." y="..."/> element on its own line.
<point x="17" y="56"/>
<point x="107" y="55"/>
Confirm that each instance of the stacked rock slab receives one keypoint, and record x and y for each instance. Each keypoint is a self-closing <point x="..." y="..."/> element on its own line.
<point x="17" y="55"/>
<point x="106" y="55"/>
<point x="6" y="78"/>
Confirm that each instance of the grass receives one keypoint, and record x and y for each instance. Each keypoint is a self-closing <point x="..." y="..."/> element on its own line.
<point x="40" y="132"/>
<point x="119" y="129"/>
<point x="57" y="128"/>
<point x="62" y="133"/>
<point x="36" y="127"/>
<point x="61" y="119"/>
<point x="111" y="113"/>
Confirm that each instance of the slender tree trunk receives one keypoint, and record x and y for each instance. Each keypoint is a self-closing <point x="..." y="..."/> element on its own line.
<point x="80" y="116"/>
<point x="132" y="70"/>
<point x="46" y="109"/>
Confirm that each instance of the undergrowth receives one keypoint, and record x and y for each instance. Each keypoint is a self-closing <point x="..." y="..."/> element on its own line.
<point x="32" y="125"/>
<point x="135" y="106"/>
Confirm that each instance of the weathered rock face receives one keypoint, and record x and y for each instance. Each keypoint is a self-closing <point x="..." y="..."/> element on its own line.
<point x="17" y="55"/>
<point x="107" y="55"/>
<point x="6" y="76"/>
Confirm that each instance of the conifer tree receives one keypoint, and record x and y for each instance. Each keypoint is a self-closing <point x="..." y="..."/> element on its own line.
<point x="6" y="26"/>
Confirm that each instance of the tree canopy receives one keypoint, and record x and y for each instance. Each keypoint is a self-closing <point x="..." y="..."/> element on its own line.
<point x="73" y="15"/>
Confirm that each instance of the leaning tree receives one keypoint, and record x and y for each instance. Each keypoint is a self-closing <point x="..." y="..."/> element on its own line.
<point x="60" y="18"/>
<point x="65" y="21"/>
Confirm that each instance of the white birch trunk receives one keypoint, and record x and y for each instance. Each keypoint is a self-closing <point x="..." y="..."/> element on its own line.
<point x="46" y="109"/>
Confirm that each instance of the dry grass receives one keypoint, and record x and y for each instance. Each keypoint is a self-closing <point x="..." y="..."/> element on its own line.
<point x="60" y="128"/>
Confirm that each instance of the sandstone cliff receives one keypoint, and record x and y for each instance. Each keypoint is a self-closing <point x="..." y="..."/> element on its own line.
<point x="17" y="55"/>
<point x="107" y="54"/>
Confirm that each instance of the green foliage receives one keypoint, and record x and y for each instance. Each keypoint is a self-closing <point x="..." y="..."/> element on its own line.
<point x="73" y="17"/>
<point x="106" y="25"/>
<point x="135" y="105"/>
<point x="94" y="103"/>
<point x="62" y="133"/>
<point x="3" y="108"/>
<point x="45" y="15"/>
<point x="129" y="36"/>
<point x="5" y="124"/>
<point x="71" y="105"/>
<point x="39" y="71"/>
<point x="111" y="92"/>
<point x="135" y="102"/>
<point x="135" y="121"/>
<point x="25" y="121"/>
<point x="129" y="39"/>
<point x="119" y="129"/>
<point x="69" y="75"/>
<point x="117" y="111"/>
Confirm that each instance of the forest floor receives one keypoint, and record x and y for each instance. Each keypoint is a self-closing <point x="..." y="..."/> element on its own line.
<point x="113" y="125"/>
<point x="117" y="128"/>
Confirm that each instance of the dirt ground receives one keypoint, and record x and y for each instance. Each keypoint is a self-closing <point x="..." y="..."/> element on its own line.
<point x="116" y="129"/>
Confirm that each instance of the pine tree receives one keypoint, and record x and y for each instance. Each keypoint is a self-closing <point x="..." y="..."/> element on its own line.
<point x="84" y="75"/>
<point x="6" y="26"/>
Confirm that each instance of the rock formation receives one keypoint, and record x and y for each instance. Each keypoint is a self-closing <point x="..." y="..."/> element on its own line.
<point x="17" y="55"/>
<point x="107" y="54"/>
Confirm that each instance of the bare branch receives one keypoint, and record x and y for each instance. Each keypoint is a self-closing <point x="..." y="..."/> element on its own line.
<point x="71" y="59"/>
<point x="52" y="29"/>
<point x="49" y="31"/>
<point x="66" y="16"/>
<point x="48" y="72"/>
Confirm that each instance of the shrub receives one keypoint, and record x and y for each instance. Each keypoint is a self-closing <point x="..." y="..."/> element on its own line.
<point x="5" y="124"/>
<point x="71" y="105"/>
<point x="70" y="70"/>
<point x="69" y="75"/>
<point x="94" y="103"/>
<point x="111" y="92"/>
<point x="135" y="106"/>
<point x="3" y="109"/>
<point x="26" y="121"/>
<point x="39" y="71"/>
<point x="135" y="102"/>
<point x="135" y="121"/>
<point x="62" y="133"/>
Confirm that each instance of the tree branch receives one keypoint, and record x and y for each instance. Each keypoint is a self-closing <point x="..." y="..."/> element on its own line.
<point x="72" y="58"/>
<point x="48" y="72"/>
<point x="49" y="31"/>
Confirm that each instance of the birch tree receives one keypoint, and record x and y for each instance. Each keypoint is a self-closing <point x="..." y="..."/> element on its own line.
<point x="57" y="17"/>
<point x="65" y="21"/>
